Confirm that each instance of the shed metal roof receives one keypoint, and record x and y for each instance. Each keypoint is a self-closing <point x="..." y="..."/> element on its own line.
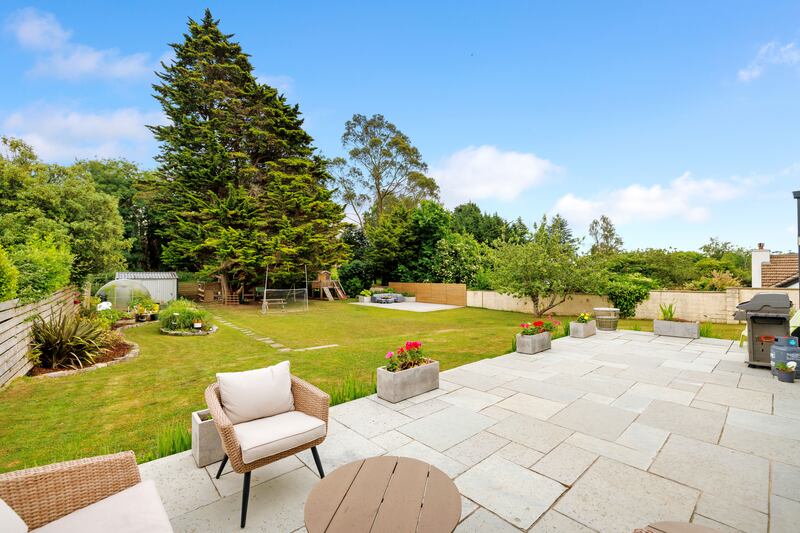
<point x="146" y="275"/>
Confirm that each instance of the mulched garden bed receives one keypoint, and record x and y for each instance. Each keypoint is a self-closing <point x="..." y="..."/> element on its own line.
<point x="119" y="351"/>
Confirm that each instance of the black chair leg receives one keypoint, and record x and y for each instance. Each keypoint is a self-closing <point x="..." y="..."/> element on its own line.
<point x="245" y="496"/>
<point x="315" y="453"/>
<point x="222" y="465"/>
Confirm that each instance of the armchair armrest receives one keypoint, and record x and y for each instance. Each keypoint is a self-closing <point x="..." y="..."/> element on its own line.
<point x="224" y="425"/>
<point x="43" y="494"/>
<point x="310" y="400"/>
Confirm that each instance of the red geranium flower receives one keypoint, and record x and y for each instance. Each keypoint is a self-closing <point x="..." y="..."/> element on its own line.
<point x="538" y="323"/>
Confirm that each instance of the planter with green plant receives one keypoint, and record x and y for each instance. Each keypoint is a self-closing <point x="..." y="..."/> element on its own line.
<point x="66" y="340"/>
<point x="670" y="326"/>
<point x="786" y="371"/>
<point x="582" y="327"/>
<point x="206" y="444"/>
<point x="535" y="336"/>
<point x="182" y="317"/>
<point x="407" y="373"/>
<point x="364" y="296"/>
<point x="409" y="297"/>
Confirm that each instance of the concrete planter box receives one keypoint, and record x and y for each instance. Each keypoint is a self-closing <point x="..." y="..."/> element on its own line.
<point x="410" y="298"/>
<point x="364" y="299"/>
<point x="531" y="344"/>
<point x="206" y="444"/>
<point x="671" y="328"/>
<point x="581" y="330"/>
<point x="398" y="386"/>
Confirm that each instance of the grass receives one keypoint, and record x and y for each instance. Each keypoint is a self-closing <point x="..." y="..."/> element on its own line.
<point x="136" y="405"/>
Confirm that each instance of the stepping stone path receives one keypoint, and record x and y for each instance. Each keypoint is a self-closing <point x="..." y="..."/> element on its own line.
<point x="266" y="340"/>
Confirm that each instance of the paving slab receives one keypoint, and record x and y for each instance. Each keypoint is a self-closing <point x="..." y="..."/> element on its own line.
<point x="733" y="397"/>
<point x="531" y="432"/>
<point x="514" y="493"/>
<point x="655" y="376"/>
<point x="519" y="454"/>
<point x="667" y="394"/>
<point x="767" y="383"/>
<point x="785" y="515"/>
<point x="708" y="406"/>
<point x="612" y="496"/>
<point x="476" y="448"/>
<point x="787" y="406"/>
<point x="498" y="413"/>
<point x="367" y="417"/>
<point x="231" y="482"/>
<point x="603" y="421"/>
<point x="732" y="515"/>
<point x="764" y="423"/>
<point x="607" y="386"/>
<point x="482" y="521"/>
<point x="391" y="440"/>
<point x="738" y="477"/>
<point x="531" y="406"/>
<point x="471" y="399"/>
<point x="467" y="507"/>
<point x="565" y="463"/>
<point x="418" y="410"/>
<point x="417" y="450"/>
<point x="731" y="379"/>
<point x="643" y="438"/>
<point x="447" y="427"/>
<point x="544" y="390"/>
<point x="687" y="421"/>
<point x="632" y="402"/>
<point x="473" y="380"/>
<point x="425" y="396"/>
<point x="555" y="522"/>
<point x="340" y="447"/>
<point x="502" y="392"/>
<point x="182" y="486"/>
<point x="760" y="444"/>
<point x="612" y="450"/>
<point x="786" y="481"/>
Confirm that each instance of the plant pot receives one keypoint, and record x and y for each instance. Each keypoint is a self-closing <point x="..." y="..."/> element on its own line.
<point x="153" y="316"/>
<point x="786" y="377"/>
<point x="398" y="386"/>
<point x="581" y="330"/>
<point x="410" y="298"/>
<point x="206" y="444"/>
<point x="673" y="328"/>
<point x="141" y="318"/>
<point x="363" y="299"/>
<point x="531" y="344"/>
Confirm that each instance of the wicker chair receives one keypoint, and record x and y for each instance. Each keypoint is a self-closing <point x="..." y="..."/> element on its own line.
<point x="308" y="399"/>
<point x="44" y="494"/>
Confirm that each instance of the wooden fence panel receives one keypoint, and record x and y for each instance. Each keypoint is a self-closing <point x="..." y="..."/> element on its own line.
<point x="434" y="293"/>
<point x="15" y="327"/>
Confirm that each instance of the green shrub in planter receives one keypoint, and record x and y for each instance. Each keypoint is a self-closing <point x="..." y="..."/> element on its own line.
<point x="181" y="315"/>
<point x="66" y="341"/>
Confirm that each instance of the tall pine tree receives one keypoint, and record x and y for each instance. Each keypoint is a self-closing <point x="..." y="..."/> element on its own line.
<point x="239" y="185"/>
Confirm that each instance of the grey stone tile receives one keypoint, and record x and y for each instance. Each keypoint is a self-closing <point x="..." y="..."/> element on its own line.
<point x="531" y="406"/>
<point x="517" y="453"/>
<point x="274" y="506"/>
<point x="612" y="450"/>
<point x="730" y="514"/>
<point x="476" y="448"/>
<point x="367" y="417"/>
<point x="686" y="386"/>
<point x="417" y="450"/>
<point x="498" y="413"/>
<point x="482" y="521"/>
<point x="717" y="527"/>
<point x="787" y="406"/>
<point x="418" y="410"/>
<point x="425" y="396"/>
<point x="632" y="402"/>
<point x="467" y="507"/>
<point x="643" y="438"/>
<point x="612" y="496"/>
<point x="742" y="398"/>
<point x="473" y="380"/>
<point x="544" y="390"/>
<point x="445" y="385"/>
<point x="471" y="399"/>
<point x="598" y="384"/>
<point x="514" y="493"/>
<point x="555" y="522"/>
<point x="598" y="398"/>
<point x="766" y="383"/>
<point x="786" y="481"/>
<point x="655" y="376"/>
<point x="231" y="483"/>
<point x="448" y="427"/>
<point x="391" y="440"/>
<point x="687" y="421"/>
<point x="735" y="476"/>
<point x="666" y="394"/>
<point x="763" y="423"/>
<point x="760" y="444"/>
<point x="341" y="447"/>
<point x="182" y="486"/>
<point x="397" y="406"/>
<point x="530" y="432"/>
<point x="730" y="379"/>
<point x="740" y="366"/>
<point x="502" y="392"/>
<point x="784" y="515"/>
<point x="708" y="406"/>
<point x="565" y="463"/>
<point x="594" y="419"/>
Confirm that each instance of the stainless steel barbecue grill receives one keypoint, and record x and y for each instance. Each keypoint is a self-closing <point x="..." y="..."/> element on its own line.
<point x="767" y="317"/>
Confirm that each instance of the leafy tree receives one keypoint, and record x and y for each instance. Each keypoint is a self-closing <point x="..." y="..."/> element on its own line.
<point x="239" y="186"/>
<point x="356" y="239"/>
<point x="715" y="281"/>
<point x="469" y="219"/>
<point x="604" y="234"/>
<point x="355" y="276"/>
<point x="545" y="269"/>
<point x="560" y="225"/>
<point x="459" y="258"/>
<point x="9" y="277"/>
<point x="517" y="231"/>
<point x="430" y="223"/>
<point x="382" y="170"/>
<point x="43" y="265"/>
<point x="627" y="291"/>
<point x="392" y="246"/>
<point x="667" y="268"/>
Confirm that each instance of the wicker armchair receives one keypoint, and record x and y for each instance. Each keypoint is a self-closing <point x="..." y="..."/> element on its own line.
<point x="308" y="399"/>
<point x="44" y="494"/>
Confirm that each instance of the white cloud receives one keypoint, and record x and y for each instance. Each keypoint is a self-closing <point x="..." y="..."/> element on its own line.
<point x="282" y="82"/>
<point x="772" y="53"/>
<point x="63" y="135"/>
<point x="485" y="172"/>
<point x="685" y="199"/>
<point x="58" y="56"/>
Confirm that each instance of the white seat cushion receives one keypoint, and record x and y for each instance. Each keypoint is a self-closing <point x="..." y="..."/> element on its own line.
<point x="269" y="436"/>
<point x="137" y="509"/>
<point x="256" y="393"/>
<point x="10" y="522"/>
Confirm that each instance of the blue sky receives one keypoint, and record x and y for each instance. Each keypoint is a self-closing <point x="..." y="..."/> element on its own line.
<point x="677" y="119"/>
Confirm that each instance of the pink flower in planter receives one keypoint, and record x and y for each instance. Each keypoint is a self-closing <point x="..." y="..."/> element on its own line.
<point x="389" y="355"/>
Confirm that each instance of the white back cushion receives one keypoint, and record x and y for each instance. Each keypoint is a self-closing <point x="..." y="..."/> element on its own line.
<point x="10" y="522"/>
<point x="256" y="393"/>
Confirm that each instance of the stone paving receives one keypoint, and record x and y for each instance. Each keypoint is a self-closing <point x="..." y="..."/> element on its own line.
<point x="600" y="434"/>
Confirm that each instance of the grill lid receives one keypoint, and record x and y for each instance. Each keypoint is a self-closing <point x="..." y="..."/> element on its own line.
<point x="765" y="303"/>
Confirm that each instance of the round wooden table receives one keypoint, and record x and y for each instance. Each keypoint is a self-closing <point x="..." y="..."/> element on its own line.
<point x="384" y="494"/>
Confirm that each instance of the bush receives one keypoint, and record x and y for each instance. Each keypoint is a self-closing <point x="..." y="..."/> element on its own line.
<point x="9" y="276"/>
<point x="44" y="267"/>
<point x="355" y="276"/>
<point x="66" y="341"/>
<point x="180" y="315"/>
<point x="626" y="292"/>
<point x="716" y="281"/>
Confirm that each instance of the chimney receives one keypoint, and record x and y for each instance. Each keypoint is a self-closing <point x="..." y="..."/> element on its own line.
<point x="759" y="256"/>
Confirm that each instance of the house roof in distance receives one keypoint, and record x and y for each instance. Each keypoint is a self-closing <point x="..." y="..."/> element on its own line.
<point x="781" y="270"/>
<point x="146" y="275"/>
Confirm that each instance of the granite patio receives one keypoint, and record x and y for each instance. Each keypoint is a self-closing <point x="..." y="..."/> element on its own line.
<point x="601" y="434"/>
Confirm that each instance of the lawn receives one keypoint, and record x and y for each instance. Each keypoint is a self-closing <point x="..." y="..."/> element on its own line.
<point x="126" y="406"/>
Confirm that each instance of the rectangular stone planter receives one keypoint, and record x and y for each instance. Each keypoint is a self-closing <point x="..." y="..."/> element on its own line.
<point x="581" y="330"/>
<point x="363" y="299"/>
<point x="671" y="328"/>
<point x="531" y="344"/>
<point x="206" y="444"/>
<point x="410" y="298"/>
<point x="398" y="386"/>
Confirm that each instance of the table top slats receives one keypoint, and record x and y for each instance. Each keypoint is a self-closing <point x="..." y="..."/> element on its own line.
<point x="405" y="492"/>
<point x="359" y="507"/>
<point x="323" y="504"/>
<point x="441" y="505"/>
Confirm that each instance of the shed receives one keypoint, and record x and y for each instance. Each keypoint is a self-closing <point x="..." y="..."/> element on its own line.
<point x="163" y="286"/>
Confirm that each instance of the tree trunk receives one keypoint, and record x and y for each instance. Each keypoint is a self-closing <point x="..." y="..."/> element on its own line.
<point x="223" y="285"/>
